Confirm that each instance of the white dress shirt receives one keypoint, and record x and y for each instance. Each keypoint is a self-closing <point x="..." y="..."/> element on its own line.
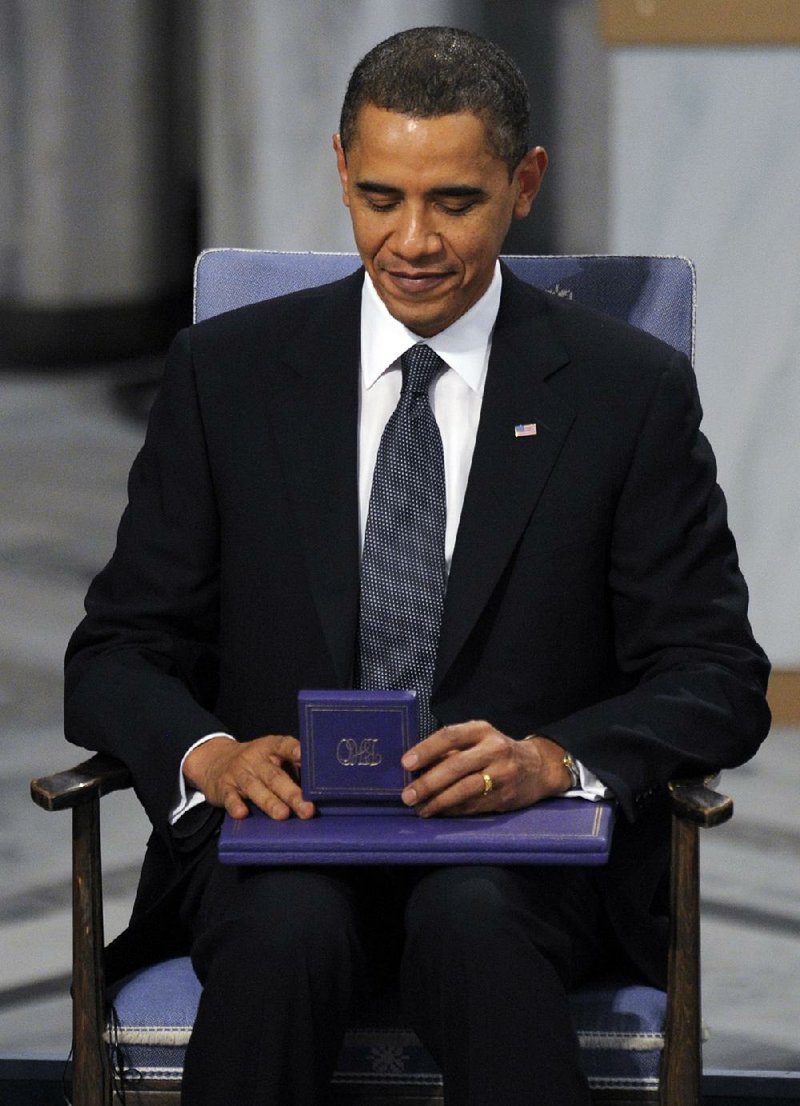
<point x="455" y="397"/>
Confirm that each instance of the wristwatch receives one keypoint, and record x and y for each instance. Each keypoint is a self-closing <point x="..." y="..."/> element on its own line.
<point x="569" y="762"/>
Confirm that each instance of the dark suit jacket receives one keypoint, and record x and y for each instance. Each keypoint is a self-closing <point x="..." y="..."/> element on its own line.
<point x="594" y="594"/>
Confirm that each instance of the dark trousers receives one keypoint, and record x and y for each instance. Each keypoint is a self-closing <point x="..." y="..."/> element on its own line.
<point x="483" y="956"/>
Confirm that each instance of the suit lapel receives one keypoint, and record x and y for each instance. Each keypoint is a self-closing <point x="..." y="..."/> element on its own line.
<point x="508" y="473"/>
<point x="314" y="414"/>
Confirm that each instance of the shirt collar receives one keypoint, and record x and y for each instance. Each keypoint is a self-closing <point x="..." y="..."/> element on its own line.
<point x="463" y="345"/>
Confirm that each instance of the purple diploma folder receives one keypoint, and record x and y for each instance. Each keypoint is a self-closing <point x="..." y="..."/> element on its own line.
<point x="555" y="831"/>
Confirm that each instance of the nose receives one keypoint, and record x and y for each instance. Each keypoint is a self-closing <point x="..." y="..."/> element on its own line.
<point x="415" y="235"/>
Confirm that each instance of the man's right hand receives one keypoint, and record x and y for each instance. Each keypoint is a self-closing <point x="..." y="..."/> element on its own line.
<point x="264" y="771"/>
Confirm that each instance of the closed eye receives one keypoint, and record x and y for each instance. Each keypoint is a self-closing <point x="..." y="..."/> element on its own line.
<point x="380" y="204"/>
<point x="453" y="200"/>
<point x="458" y="209"/>
<point x="385" y="204"/>
<point x="377" y="196"/>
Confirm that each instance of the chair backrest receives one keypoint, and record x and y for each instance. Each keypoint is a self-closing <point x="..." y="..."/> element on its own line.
<point x="657" y="294"/>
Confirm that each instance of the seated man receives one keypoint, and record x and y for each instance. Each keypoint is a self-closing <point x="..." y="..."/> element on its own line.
<point x="331" y="494"/>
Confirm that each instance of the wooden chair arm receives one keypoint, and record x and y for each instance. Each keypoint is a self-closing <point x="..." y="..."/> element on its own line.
<point x="695" y="801"/>
<point x="98" y="776"/>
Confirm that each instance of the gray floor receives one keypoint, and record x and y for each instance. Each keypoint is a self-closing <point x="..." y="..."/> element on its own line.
<point x="65" y="447"/>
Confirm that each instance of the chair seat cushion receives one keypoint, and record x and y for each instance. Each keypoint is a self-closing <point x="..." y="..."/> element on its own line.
<point x="619" y="1025"/>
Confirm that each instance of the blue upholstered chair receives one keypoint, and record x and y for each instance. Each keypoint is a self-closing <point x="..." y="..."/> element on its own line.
<point x="639" y="1045"/>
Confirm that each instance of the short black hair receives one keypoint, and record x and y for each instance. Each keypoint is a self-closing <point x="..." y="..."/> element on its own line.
<point x="431" y="71"/>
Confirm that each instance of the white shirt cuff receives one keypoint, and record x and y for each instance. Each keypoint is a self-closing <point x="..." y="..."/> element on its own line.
<point x="591" y="787"/>
<point x="188" y="797"/>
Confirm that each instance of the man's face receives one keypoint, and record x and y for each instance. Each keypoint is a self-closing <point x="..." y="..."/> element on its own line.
<point x="431" y="205"/>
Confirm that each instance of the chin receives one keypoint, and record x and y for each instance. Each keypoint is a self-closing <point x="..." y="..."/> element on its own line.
<point x="424" y="326"/>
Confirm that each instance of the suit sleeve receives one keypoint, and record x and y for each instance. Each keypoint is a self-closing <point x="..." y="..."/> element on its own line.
<point x="141" y="668"/>
<point x="694" y="678"/>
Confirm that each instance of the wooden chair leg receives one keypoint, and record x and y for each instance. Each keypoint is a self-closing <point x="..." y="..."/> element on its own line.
<point x="694" y="804"/>
<point x="681" y="1063"/>
<point x="91" y="1072"/>
<point x="79" y="789"/>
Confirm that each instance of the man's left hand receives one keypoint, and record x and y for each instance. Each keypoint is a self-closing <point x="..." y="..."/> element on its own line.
<point x="472" y="768"/>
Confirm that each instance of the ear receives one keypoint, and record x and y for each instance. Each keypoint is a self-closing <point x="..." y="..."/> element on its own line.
<point x="528" y="176"/>
<point x="341" y="165"/>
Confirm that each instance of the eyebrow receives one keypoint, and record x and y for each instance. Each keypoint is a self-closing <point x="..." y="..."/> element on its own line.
<point x="454" y="191"/>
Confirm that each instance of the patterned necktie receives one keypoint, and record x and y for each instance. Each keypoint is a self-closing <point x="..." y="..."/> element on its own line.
<point x="402" y="567"/>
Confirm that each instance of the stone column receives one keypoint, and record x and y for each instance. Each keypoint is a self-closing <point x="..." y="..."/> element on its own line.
<point x="89" y="218"/>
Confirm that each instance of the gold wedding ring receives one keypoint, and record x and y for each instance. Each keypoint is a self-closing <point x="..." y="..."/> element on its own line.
<point x="488" y="783"/>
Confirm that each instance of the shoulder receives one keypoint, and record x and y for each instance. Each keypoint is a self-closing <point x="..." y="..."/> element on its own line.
<point x="282" y="320"/>
<point x="224" y="360"/>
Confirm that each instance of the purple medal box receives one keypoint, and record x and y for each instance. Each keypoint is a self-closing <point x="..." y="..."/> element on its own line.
<point x="351" y="744"/>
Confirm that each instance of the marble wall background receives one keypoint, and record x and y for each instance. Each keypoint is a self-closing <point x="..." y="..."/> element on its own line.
<point x="705" y="161"/>
<point x="665" y="150"/>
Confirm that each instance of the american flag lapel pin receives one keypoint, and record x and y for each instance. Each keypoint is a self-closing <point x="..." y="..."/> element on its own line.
<point x="525" y="430"/>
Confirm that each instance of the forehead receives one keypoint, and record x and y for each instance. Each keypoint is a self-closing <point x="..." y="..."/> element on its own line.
<point x="406" y="143"/>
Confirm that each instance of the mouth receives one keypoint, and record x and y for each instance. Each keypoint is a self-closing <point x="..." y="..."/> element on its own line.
<point x="416" y="283"/>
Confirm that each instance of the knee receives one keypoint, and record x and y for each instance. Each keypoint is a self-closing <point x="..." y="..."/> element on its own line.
<point x="457" y="907"/>
<point x="285" y="922"/>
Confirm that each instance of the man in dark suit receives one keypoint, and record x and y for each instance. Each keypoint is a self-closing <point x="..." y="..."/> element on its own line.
<point x="593" y="635"/>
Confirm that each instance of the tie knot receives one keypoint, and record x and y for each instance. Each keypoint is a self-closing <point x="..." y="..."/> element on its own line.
<point x="420" y="365"/>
